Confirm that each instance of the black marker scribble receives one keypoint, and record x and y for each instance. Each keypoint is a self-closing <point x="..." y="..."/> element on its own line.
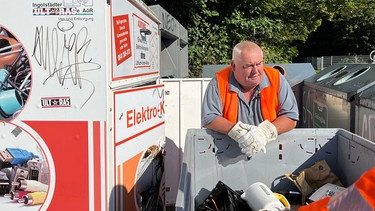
<point x="62" y="51"/>
<point x="160" y="93"/>
<point x="64" y="26"/>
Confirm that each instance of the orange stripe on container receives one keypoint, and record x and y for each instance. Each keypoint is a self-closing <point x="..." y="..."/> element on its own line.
<point x="129" y="172"/>
<point x="138" y="134"/>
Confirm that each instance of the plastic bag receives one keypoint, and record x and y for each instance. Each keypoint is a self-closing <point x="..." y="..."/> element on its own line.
<point x="223" y="198"/>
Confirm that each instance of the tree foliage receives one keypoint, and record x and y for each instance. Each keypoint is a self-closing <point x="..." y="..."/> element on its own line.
<point x="215" y="26"/>
<point x="351" y="32"/>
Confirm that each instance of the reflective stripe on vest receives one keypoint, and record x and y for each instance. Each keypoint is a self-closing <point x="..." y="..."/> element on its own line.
<point x="268" y="95"/>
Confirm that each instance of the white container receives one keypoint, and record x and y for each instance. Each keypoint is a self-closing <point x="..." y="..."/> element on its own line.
<point x="259" y="197"/>
<point x="85" y="71"/>
<point x="210" y="157"/>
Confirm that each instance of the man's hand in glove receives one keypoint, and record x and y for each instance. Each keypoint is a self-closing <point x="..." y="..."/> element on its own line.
<point x="239" y="130"/>
<point x="264" y="133"/>
<point x="242" y="133"/>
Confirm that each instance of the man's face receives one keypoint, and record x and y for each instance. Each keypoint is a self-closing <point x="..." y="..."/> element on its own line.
<point x="248" y="69"/>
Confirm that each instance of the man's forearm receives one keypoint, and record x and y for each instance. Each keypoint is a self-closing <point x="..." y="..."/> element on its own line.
<point x="284" y="124"/>
<point x="221" y="125"/>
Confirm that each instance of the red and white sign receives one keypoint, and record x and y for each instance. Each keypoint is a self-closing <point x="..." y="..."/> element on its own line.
<point x="136" y="34"/>
<point x="67" y="120"/>
<point x="121" y="32"/>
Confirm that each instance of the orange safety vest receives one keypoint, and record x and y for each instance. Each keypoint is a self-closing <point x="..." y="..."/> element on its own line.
<point x="268" y="96"/>
<point x="359" y="196"/>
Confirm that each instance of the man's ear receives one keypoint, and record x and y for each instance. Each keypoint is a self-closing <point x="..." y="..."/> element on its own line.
<point x="233" y="66"/>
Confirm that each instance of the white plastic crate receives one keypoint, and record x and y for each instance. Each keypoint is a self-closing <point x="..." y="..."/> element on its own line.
<point x="210" y="157"/>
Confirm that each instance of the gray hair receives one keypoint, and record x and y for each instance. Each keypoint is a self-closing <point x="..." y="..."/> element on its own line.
<point x="237" y="49"/>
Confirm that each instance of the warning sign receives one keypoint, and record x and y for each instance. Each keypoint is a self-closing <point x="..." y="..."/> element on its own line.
<point x="122" y="38"/>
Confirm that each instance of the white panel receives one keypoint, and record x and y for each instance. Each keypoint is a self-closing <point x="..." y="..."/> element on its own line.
<point x="183" y="100"/>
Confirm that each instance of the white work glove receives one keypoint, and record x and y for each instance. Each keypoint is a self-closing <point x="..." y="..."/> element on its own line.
<point x="241" y="133"/>
<point x="264" y="133"/>
<point x="239" y="130"/>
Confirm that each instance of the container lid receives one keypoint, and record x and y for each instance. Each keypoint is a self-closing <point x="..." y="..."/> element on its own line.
<point x="367" y="98"/>
<point x="343" y="80"/>
<point x="296" y="72"/>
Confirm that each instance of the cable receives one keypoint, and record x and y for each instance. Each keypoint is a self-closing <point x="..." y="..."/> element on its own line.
<point x="213" y="201"/>
<point x="16" y="156"/>
<point x="33" y="198"/>
<point x="31" y="186"/>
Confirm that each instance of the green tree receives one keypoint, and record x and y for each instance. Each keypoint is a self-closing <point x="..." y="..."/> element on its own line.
<point x="350" y="32"/>
<point x="215" y="26"/>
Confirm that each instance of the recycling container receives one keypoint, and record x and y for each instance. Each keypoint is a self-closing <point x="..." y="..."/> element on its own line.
<point x="329" y="96"/>
<point x="210" y="157"/>
<point x="365" y="114"/>
<point x="295" y="74"/>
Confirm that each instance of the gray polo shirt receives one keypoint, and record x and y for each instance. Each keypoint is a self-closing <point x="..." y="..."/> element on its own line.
<point x="249" y="113"/>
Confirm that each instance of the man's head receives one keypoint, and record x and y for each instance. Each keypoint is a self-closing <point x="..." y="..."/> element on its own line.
<point x="247" y="64"/>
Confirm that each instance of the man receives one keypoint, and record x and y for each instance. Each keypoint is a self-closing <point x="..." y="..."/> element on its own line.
<point x="250" y="102"/>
